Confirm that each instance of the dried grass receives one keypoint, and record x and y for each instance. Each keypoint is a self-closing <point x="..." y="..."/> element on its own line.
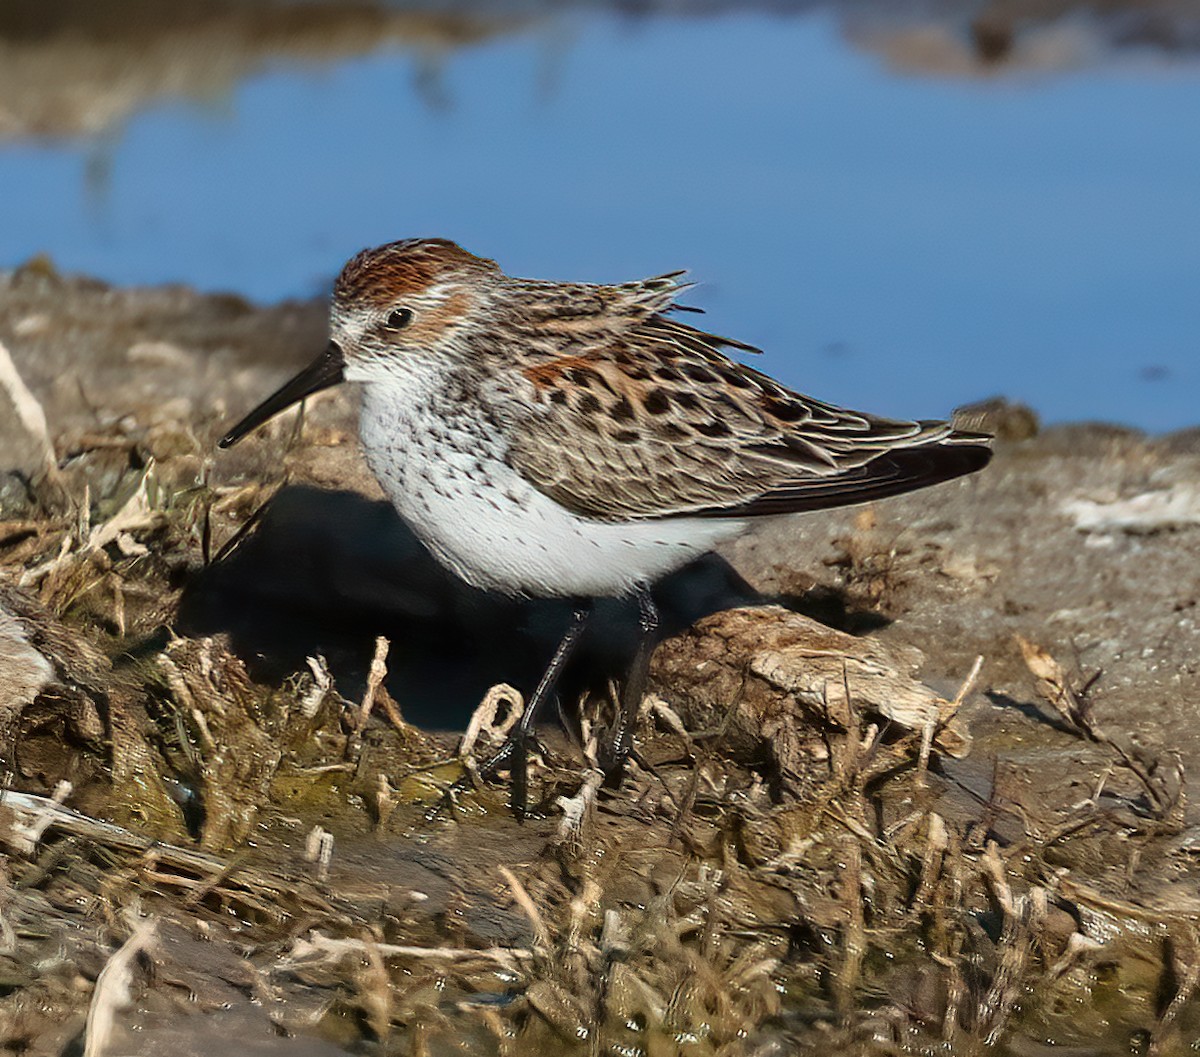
<point x="835" y="898"/>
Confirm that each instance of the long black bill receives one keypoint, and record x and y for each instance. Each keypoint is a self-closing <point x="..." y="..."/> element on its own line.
<point x="323" y="372"/>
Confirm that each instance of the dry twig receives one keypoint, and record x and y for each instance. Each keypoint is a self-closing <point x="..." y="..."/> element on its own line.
<point x="541" y="935"/>
<point x="112" y="988"/>
<point x="1163" y="785"/>
<point x="318" y="949"/>
<point x="486" y="717"/>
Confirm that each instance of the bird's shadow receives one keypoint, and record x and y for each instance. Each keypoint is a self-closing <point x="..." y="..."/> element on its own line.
<point x="325" y="572"/>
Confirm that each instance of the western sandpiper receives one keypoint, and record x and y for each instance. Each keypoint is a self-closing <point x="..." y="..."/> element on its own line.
<point x="574" y="440"/>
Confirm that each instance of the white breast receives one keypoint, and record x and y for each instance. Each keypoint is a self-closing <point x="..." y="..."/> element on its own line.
<point x="446" y="476"/>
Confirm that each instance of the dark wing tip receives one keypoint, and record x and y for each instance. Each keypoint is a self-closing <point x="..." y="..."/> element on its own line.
<point x="975" y="449"/>
<point x="891" y="473"/>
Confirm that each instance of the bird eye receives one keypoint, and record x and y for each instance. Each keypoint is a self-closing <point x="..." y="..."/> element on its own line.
<point x="399" y="319"/>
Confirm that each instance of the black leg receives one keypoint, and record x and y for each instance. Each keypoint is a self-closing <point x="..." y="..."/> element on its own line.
<point x="620" y="743"/>
<point x="515" y="751"/>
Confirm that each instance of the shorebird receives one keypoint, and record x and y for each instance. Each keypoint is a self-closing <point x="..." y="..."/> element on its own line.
<point x="577" y="440"/>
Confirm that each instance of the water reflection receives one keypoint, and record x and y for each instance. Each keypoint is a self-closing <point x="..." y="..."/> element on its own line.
<point x="79" y="67"/>
<point x="904" y="243"/>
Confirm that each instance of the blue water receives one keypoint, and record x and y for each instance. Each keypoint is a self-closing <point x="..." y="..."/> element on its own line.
<point x="894" y="242"/>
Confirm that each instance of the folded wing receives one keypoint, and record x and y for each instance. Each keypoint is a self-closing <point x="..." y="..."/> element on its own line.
<point x="656" y="422"/>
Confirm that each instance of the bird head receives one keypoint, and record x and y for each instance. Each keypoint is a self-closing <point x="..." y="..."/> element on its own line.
<point x="404" y="299"/>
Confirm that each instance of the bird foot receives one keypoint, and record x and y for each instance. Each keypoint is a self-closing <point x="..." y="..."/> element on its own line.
<point x="514" y="754"/>
<point x="612" y="763"/>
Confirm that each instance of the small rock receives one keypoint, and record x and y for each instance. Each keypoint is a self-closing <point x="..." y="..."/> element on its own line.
<point x="40" y="268"/>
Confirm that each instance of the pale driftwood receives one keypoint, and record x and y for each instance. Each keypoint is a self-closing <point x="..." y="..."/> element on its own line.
<point x="318" y="949"/>
<point x="757" y="678"/>
<point x="26" y="829"/>
<point x="21" y="811"/>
